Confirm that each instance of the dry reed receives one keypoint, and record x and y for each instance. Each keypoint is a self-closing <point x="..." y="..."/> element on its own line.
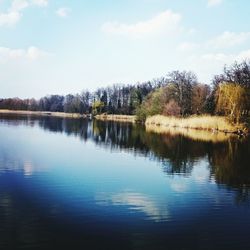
<point x="206" y="122"/>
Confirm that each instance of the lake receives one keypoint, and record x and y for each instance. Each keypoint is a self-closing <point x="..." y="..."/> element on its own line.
<point x="79" y="184"/>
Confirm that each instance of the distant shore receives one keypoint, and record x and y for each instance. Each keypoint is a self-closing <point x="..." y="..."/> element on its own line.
<point x="42" y="113"/>
<point x="117" y="118"/>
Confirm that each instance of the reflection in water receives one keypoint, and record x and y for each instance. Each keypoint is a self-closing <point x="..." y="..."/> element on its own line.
<point x="136" y="201"/>
<point x="28" y="168"/>
<point x="18" y="163"/>
<point x="194" y="134"/>
<point x="106" y="185"/>
<point x="201" y="173"/>
<point x="228" y="158"/>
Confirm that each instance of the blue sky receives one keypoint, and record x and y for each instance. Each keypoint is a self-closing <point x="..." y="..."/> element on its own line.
<point x="52" y="46"/>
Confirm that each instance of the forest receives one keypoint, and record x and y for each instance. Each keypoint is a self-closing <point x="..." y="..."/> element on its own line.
<point x="179" y="93"/>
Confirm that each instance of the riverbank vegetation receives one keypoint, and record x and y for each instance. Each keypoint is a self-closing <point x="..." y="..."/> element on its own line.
<point x="179" y="94"/>
<point x="228" y="96"/>
<point x="204" y="122"/>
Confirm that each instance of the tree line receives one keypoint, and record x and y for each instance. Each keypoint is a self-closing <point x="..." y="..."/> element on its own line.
<point x="179" y="93"/>
<point x="183" y="95"/>
<point x="115" y="99"/>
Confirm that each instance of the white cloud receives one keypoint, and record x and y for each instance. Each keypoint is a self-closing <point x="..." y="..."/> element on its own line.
<point x="14" y="13"/>
<point x="63" y="12"/>
<point x="223" y="41"/>
<point x="18" y="5"/>
<point x="209" y="64"/>
<point x="192" y="31"/>
<point x="31" y="53"/>
<point x="34" y="53"/>
<point x="187" y="46"/>
<point x="229" y="39"/>
<point x="9" y="18"/>
<point x="227" y="58"/>
<point x="164" y="22"/>
<point x="219" y="57"/>
<point x="212" y="3"/>
<point x="244" y="55"/>
<point x="41" y="3"/>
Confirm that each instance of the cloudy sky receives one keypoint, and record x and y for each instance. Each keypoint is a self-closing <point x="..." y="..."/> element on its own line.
<point x="65" y="46"/>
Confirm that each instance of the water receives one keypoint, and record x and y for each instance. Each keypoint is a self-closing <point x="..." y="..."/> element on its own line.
<point x="77" y="184"/>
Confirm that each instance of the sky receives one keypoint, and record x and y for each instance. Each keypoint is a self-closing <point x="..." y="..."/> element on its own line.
<point x="66" y="46"/>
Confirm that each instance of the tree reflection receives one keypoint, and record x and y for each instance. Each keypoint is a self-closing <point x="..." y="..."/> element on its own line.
<point x="230" y="165"/>
<point x="228" y="160"/>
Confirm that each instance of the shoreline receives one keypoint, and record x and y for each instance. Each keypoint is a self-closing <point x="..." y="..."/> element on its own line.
<point x="156" y="123"/>
<point x="212" y="124"/>
<point x="42" y="113"/>
<point x="116" y="118"/>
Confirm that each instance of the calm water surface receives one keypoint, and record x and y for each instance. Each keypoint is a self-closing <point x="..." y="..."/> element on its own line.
<point x="78" y="184"/>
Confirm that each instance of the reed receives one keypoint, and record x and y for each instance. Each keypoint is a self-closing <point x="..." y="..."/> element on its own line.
<point x="206" y="122"/>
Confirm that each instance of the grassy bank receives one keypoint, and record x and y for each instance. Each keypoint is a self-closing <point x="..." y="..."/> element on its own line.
<point x="208" y="123"/>
<point x="41" y="113"/>
<point x="118" y="118"/>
